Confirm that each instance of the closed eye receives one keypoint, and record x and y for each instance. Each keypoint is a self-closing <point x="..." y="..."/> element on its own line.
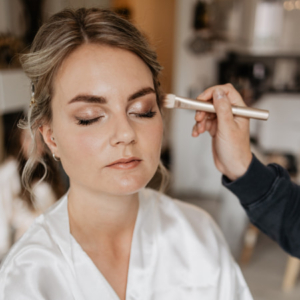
<point x="149" y="114"/>
<point x="87" y="122"/>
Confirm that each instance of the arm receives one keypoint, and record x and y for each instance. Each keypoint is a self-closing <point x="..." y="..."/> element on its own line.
<point x="272" y="202"/>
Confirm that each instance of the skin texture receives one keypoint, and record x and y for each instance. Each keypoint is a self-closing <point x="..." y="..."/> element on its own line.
<point x="230" y="134"/>
<point x="103" y="201"/>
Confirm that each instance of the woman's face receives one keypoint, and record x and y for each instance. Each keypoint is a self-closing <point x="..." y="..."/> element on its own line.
<point x="104" y="109"/>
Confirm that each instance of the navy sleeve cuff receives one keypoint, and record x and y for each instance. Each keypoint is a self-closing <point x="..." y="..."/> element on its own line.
<point x="254" y="184"/>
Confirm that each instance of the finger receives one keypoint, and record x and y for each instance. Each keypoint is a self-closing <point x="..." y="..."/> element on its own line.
<point x="223" y="109"/>
<point x="200" y="115"/>
<point x="201" y="126"/>
<point x="232" y="94"/>
<point x="213" y="130"/>
<point x="208" y="125"/>
<point x="211" y="116"/>
<point x="195" y="131"/>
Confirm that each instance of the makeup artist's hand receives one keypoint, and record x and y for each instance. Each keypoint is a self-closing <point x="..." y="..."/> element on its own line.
<point x="230" y="134"/>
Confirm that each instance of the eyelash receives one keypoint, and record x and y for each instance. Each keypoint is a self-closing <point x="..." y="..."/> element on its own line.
<point x="87" y="122"/>
<point x="149" y="114"/>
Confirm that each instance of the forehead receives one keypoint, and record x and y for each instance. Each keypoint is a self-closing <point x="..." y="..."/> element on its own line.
<point x="101" y="70"/>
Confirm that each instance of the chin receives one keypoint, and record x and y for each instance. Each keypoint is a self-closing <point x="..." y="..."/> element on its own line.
<point x="128" y="187"/>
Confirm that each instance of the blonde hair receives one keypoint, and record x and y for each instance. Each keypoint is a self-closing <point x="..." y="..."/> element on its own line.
<point x="56" y="39"/>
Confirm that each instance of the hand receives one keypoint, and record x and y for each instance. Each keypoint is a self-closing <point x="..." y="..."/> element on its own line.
<point x="230" y="134"/>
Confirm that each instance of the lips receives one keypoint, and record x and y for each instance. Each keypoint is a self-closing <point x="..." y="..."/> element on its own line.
<point x="124" y="161"/>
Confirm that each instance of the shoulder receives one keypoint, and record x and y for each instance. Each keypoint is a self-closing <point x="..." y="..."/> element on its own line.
<point x="37" y="243"/>
<point x="35" y="261"/>
<point x="173" y="205"/>
<point x="186" y="216"/>
<point x="28" y="260"/>
<point x="189" y="229"/>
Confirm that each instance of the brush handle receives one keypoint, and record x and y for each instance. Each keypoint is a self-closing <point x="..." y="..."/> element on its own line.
<point x="247" y="112"/>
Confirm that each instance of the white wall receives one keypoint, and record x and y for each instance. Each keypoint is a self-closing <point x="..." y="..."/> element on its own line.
<point x="193" y="167"/>
<point x="290" y="31"/>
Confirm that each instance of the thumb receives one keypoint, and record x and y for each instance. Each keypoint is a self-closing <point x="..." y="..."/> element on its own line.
<point x="223" y="108"/>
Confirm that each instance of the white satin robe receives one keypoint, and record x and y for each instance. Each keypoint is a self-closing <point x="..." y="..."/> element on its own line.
<point x="177" y="253"/>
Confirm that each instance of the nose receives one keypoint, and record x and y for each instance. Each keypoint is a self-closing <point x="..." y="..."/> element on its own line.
<point x="123" y="131"/>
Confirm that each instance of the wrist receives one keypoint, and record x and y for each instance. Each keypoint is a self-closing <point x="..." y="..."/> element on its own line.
<point x="239" y="168"/>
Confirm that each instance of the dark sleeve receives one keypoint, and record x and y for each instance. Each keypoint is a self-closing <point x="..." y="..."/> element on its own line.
<point x="272" y="202"/>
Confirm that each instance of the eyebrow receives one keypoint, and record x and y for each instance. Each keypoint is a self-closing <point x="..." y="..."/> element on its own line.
<point x="141" y="93"/>
<point x="102" y="100"/>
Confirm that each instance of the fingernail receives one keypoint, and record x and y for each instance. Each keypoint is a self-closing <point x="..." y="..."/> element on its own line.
<point x="219" y="94"/>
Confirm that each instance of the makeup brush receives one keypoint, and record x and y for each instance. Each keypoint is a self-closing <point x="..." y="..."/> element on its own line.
<point x="173" y="101"/>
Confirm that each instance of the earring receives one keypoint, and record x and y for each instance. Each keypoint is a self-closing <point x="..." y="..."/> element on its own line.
<point x="56" y="159"/>
<point x="52" y="138"/>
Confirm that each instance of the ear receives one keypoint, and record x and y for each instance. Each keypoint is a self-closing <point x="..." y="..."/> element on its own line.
<point x="47" y="133"/>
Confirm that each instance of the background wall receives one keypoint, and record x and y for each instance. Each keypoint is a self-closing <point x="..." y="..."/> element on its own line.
<point x="193" y="169"/>
<point x="194" y="174"/>
<point x="53" y="6"/>
<point x="11" y="18"/>
<point x="3" y="15"/>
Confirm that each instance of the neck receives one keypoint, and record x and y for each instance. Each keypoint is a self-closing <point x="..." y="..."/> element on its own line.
<point x="101" y="215"/>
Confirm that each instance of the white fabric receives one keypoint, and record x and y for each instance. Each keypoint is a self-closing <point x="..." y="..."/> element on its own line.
<point x="10" y="187"/>
<point x="177" y="252"/>
<point x="15" y="215"/>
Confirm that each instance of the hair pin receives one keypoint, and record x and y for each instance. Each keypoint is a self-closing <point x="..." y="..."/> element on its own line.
<point x="32" y="102"/>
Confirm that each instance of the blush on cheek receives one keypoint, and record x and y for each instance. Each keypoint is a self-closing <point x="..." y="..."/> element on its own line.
<point x="89" y="147"/>
<point x="153" y="138"/>
<point x="79" y="155"/>
<point x="75" y="148"/>
<point x="155" y="134"/>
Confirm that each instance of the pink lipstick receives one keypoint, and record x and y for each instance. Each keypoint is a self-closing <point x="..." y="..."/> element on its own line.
<point x="125" y="163"/>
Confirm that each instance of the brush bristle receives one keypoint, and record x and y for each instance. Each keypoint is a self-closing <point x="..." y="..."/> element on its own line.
<point x="169" y="101"/>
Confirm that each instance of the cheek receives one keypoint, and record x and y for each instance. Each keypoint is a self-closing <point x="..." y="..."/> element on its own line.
<point x="152" y="138"/>
<point x="77" y="143"/>
<point x="83" y="145"/>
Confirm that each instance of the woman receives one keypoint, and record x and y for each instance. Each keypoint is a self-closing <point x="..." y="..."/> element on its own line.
<point x="97" y="105"/>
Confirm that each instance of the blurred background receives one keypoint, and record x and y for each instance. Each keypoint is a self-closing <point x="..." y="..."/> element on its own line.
<point x="253" y="44"/>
